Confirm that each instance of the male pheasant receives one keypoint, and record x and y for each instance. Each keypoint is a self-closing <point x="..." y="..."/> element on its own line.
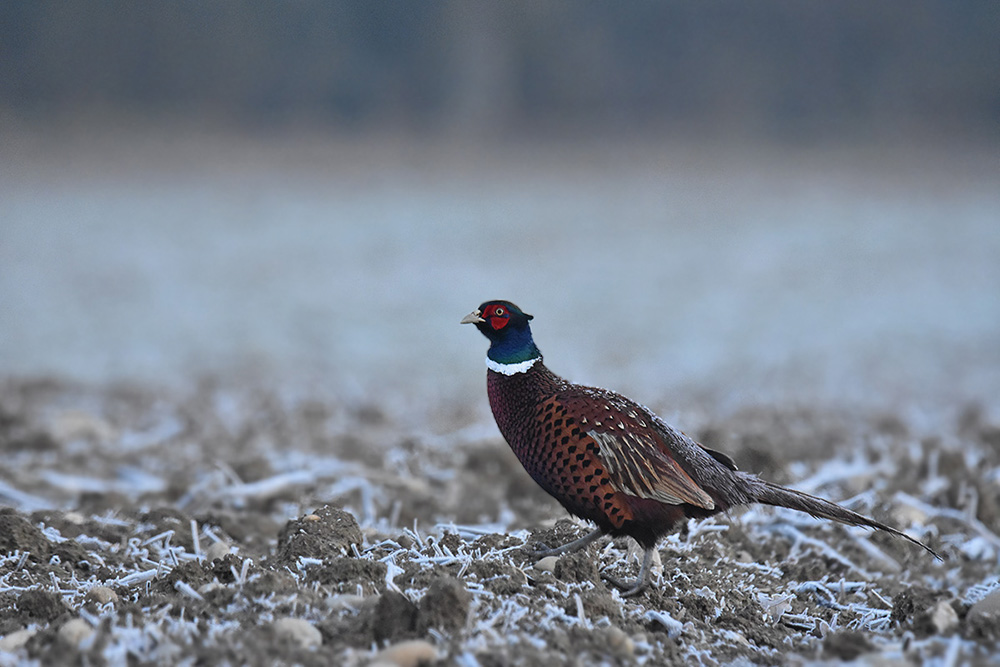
<point x="611" y="461"/>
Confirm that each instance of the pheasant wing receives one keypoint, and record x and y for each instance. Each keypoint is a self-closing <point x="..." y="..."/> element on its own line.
<point x="638" y="466"/>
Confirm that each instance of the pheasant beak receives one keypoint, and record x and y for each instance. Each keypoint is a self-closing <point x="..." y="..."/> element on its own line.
<point x="472" y="318"/>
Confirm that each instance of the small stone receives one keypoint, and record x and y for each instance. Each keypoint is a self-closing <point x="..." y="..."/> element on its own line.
<point x="297" y="631"/>
<point x="74" y="518"/>
<point x="619" y="642"/>
<point x="217" y="551"/>
<point x="406" y="654"/>
<point x="311" y="517"/>
<point x="75" y="631"/>
<point x="547" y="564"/>
<point x="16" y="640"/>
<point x="904" y="514"/>
<point x="102" y="595"/>
<point x="943" y="617"/>
<point x="79" y="425"/>
<point x="344" y="601"/>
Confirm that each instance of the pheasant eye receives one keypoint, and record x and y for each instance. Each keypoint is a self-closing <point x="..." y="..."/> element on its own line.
<point x="498" y="311"/>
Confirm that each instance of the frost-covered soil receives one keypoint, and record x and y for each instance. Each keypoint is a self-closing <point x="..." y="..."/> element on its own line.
<point x="253" y="526"/>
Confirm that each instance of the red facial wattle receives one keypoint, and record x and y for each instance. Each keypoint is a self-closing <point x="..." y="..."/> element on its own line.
<point x="496" y="316"/>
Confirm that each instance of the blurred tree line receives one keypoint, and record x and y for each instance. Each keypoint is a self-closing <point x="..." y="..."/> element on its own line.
<point x="774" y="66"/>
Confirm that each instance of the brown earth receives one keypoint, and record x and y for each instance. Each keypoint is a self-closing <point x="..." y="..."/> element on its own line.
<point x="190" y="528"/>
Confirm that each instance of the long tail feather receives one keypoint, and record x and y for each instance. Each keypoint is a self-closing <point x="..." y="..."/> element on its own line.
<point x="780" y="496"/>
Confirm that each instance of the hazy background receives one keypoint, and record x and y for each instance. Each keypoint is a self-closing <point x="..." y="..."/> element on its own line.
<point x="750" y="201"/>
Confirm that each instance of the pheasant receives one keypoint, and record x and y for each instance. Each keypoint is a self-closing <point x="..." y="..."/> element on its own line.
<point x="610" y="460"/>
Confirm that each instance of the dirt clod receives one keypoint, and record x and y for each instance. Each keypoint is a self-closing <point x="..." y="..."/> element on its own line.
<point x="394" y="617"/>
<point x="847" y="645"/>
<point x="344" y="571"/>
<point x="42" y="606"/>
<point x="325" y="533"/>
<point x="498" y="577"/>
<point x="445" y="606"/>
<point x="914" y="607"/>
<point x="577" y="567"/>
<point x="17" y="534"/>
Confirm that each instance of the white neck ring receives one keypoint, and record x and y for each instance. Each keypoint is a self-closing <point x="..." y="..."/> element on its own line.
<point x="510" y="369"/>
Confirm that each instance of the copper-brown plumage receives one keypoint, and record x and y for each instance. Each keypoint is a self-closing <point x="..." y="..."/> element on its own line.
<point x="609" y="460"/>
